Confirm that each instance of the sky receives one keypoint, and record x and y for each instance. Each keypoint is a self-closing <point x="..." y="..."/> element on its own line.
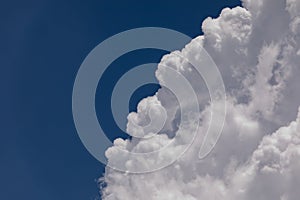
<point x="43" y="44"/>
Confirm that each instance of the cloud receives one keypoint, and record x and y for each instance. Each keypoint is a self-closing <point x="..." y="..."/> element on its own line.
<point x="257" y="49"/>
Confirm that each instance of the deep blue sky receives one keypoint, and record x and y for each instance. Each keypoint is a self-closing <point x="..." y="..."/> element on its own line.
<point x="42" y="45"/>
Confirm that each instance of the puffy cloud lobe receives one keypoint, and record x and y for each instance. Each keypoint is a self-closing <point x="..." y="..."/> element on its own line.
<point x="257" y="49"/>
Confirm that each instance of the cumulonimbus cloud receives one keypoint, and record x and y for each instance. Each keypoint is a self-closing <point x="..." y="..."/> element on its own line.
<point x="257" y="50"/>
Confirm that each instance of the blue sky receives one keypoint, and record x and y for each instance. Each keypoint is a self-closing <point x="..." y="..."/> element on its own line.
<point x="42" y="46"/>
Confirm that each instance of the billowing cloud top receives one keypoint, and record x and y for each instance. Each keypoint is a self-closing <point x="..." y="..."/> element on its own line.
<point x="257" y="50"/>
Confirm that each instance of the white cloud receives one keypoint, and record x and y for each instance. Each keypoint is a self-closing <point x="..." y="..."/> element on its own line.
<point x="258" y="156"/>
